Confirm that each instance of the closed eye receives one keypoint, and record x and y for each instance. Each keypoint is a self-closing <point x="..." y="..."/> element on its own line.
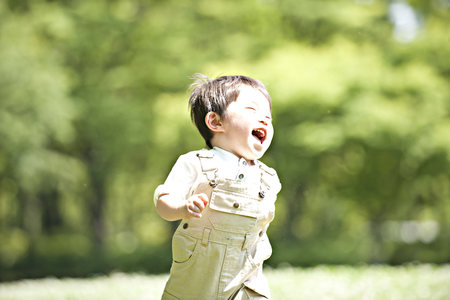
<point x="252" y="108"/>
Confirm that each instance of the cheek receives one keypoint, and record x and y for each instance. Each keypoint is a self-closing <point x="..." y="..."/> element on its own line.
<point x="242" y="123"/>
<point x="270" y="134"/>
<point x="271" y="131"/>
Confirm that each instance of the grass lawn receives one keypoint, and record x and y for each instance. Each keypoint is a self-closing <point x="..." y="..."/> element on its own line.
<point x="428" y="282"/>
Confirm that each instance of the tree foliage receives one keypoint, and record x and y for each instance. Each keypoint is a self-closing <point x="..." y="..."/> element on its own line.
<point x="93" y="114"/>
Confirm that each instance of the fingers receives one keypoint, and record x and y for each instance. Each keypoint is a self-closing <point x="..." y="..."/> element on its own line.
<point x="204" y="198"/>
<point x="196" y="204"/>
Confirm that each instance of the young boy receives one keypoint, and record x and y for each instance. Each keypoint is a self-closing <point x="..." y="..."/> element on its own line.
<point x="224" y="195"/>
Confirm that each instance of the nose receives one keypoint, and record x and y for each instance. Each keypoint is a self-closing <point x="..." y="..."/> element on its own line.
<point x="263" y="122"/>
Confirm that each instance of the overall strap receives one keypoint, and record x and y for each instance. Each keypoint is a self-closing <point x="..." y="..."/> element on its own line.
<point x="266" y="178"/>
<point x="208" y="166"/>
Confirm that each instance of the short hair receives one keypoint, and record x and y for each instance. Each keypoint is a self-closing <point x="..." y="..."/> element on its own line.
<point x="214" y="95"/>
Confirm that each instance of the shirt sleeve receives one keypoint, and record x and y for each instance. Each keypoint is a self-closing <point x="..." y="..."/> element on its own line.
<point x="277" y="184"/>
<point x="181" y="178"/>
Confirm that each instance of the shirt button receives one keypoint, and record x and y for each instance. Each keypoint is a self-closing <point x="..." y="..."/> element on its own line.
<point x="260" y="233"/>
<point x="244" y="163"/>
<point x="236" y="205"/>
<point x="241" y="176"/>
<point x="185" y="225"/>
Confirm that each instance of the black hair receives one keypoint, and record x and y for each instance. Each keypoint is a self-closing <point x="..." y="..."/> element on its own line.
<point x="214" y="95"/>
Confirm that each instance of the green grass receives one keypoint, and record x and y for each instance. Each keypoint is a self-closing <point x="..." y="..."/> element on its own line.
<point x="428" y="282"/>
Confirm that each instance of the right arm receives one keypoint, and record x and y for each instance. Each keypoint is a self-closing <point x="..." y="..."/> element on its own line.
<point x="172" y="208"/>
<point x="172" y="199"/>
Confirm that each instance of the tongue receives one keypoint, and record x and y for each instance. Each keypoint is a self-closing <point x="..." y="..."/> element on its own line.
<point x="259" y="135"/>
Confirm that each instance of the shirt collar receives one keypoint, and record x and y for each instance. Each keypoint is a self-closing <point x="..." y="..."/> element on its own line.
<point x="230" y="157"/>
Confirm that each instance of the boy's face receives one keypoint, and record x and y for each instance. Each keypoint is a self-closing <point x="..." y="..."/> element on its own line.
<point x="247" y="125"/>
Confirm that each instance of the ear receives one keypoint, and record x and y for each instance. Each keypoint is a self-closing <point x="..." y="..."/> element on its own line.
<point x="214" y="122"/>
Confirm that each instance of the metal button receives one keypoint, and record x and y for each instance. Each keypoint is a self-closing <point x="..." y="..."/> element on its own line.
<point x="185" y="225"/>
<point x="241" y="176"/>
<point x="236" y="205"/>
<point x="213" y="183"/>
<point x="262" y="194"/>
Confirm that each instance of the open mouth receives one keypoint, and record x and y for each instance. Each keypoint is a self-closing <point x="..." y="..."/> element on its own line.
<point x="260" y="134"/>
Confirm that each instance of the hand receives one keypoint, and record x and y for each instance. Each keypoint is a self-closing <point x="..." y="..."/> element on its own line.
<point x="195" y="205"/>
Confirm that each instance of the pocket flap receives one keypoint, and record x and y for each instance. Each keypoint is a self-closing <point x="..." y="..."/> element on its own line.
<point x="242" y="205"/>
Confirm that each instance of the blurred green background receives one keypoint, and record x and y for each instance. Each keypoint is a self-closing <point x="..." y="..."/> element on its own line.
<point x="93" y="114"/>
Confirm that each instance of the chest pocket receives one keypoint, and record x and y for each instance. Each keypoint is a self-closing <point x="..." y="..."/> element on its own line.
<point x="232" y="212"/>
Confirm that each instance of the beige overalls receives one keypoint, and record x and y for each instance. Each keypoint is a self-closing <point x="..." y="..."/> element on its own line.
<point x="220" y="255"/>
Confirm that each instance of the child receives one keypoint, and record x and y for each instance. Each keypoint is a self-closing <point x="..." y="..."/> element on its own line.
<point x="224" y="195"/>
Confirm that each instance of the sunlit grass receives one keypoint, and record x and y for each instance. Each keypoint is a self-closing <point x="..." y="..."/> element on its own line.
<point x="410" y="282"/>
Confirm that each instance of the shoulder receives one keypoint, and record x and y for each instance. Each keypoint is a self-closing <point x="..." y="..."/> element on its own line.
<point x="267" y="169"/>
<point x="194" y="155"/>
<point x="204" y="153"/>
<point x="271" y="176"/>
<point x="192" y="159"/>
